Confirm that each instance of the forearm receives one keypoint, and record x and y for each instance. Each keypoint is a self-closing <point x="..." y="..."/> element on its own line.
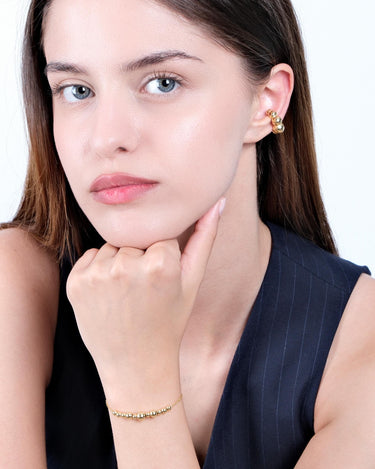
<point x="163" y="441"/>
<point x="132" y="307"/>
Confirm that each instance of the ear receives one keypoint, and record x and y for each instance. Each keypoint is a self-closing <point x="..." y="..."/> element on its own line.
<point x="274" y="94"/>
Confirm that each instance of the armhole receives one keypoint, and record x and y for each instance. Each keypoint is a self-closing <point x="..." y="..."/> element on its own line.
<point x="317" y="374"/>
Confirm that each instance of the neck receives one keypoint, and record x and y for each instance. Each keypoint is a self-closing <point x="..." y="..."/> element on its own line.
<point x="235" y="270"/>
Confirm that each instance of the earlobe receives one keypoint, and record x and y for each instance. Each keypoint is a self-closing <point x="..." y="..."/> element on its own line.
<point x="273" y="95"/>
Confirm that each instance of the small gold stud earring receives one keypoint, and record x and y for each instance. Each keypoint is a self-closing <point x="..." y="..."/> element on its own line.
<point x="277" y="123"/>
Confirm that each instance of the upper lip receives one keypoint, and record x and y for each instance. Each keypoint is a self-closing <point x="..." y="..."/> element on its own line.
<point x="108" y="181"/>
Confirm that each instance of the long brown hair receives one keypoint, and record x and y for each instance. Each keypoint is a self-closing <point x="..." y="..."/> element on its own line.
<point x="264" y="33"/>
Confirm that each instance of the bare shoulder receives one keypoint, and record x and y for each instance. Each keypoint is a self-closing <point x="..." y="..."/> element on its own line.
<point x="29" y="286"/>
<point x="354" y="339"/>
<point x="29" y="292"/>
<point x="19" y="249"/>
<point x="345" y="405"/>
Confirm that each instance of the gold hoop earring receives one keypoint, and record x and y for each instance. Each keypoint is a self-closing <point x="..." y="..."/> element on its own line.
<point x="277" y="123"/>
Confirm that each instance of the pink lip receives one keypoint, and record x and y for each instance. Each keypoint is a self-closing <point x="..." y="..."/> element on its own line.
<point x="119" y="188"/>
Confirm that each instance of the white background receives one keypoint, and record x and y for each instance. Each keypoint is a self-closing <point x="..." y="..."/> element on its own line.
<point x="340" y="51"/>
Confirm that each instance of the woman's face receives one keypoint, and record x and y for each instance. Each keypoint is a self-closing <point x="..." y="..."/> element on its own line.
<point x="150" y="116"/>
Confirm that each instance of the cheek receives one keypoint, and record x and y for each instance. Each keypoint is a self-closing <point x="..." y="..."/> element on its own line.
<point x="207" y="144"/>
<point x="195" y="152"/>
<point x="68" y="141"/>
<point x="61" y="132"/>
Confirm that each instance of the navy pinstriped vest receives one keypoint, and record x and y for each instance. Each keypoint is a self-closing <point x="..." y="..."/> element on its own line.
<point x="266" y="414"/>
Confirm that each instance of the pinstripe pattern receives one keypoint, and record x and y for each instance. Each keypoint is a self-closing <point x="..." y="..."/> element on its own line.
<point x="265" y="417"/>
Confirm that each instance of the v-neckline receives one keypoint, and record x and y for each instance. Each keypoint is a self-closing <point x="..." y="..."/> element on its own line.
<point x="252" y="321"/>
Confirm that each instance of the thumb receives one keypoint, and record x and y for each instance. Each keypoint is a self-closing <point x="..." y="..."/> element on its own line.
<point x="197" y="251"/>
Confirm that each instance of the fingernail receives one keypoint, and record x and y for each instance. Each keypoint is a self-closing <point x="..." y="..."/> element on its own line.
<point x="222" y="206"/>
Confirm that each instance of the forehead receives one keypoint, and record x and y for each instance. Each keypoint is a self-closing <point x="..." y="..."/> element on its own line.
<point x="105" y="33"/>
<point x="131" y="24"/>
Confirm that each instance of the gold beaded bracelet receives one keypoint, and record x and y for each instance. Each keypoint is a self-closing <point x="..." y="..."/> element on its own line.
<point x="143" y="414"/>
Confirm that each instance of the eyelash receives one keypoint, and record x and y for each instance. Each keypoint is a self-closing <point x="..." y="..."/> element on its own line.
<point x="57" y="90"/>
<point x="164" y="76"/>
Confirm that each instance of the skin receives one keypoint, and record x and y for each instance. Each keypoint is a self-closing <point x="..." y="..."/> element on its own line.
<point x="180" y="139"/>
<point x="164" y="273"/>
<point x="28" y="306"/>
<point x="197" y="158"/>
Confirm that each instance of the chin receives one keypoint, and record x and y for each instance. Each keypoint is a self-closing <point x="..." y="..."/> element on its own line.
<point x="141" y="240"/>
<point x="137" y="242"/>
<point x="141" y="232"/>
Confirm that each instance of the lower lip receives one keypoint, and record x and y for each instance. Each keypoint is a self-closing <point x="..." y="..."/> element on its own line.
<point x="122" y="194"/>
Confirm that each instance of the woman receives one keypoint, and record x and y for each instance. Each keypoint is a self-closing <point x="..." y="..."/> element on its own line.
<point x="158" y="169"/>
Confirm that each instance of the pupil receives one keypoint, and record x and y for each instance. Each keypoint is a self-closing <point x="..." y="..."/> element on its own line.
<point x="167" y="84"/>
<point x="81" y="92"/>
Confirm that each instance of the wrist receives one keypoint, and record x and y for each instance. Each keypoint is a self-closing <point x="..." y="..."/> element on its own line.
<point x="144" y="414"/>
<point x="142" y="389"/>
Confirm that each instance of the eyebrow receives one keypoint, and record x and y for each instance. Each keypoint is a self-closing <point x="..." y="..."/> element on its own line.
<point x="63" y="67"/>
<point x="156" y="58"/>
<point x="151" y="59"/>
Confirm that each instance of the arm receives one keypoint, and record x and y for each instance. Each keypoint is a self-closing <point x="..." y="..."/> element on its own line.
<point x="345" y="406"/>
<point x="131" y="309"/>
<point x="29" y="282"/>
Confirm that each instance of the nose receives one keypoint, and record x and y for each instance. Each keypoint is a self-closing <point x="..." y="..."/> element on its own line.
<point x="115" y="127"/>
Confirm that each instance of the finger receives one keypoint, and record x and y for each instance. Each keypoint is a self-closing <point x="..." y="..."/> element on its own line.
<point x="86" y="259"/>
<point x="169" y="246"/>
<point x="131" y="252"/>
<point x="79" y="267"/>
<point x="162" y="257"/>
<point x="107" y="251"/>
<point x="198" y="249"/>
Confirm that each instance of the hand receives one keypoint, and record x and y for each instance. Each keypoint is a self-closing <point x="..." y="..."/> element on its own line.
<point x="132" y="306"/>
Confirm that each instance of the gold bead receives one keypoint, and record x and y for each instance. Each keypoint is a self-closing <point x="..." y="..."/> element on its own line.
<point x="143" y="414"/>
<point x="276" y="121"/>
<point x="278" y="129"/>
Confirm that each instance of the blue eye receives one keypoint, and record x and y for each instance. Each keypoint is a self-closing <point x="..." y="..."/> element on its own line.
<point x="76" y="93"/>
<point x="161" y="85"/>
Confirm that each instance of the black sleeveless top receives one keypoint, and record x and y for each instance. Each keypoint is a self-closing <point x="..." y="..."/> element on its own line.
<point x="266" y="413"/>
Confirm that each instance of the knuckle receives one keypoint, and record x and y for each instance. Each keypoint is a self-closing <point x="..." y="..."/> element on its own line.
<point x="162" y="266"/>
<point x="119" y="269"/>
<point x="90" y="278"/>
<point x="94" y="277"/>
<point x="155" y="264"/>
